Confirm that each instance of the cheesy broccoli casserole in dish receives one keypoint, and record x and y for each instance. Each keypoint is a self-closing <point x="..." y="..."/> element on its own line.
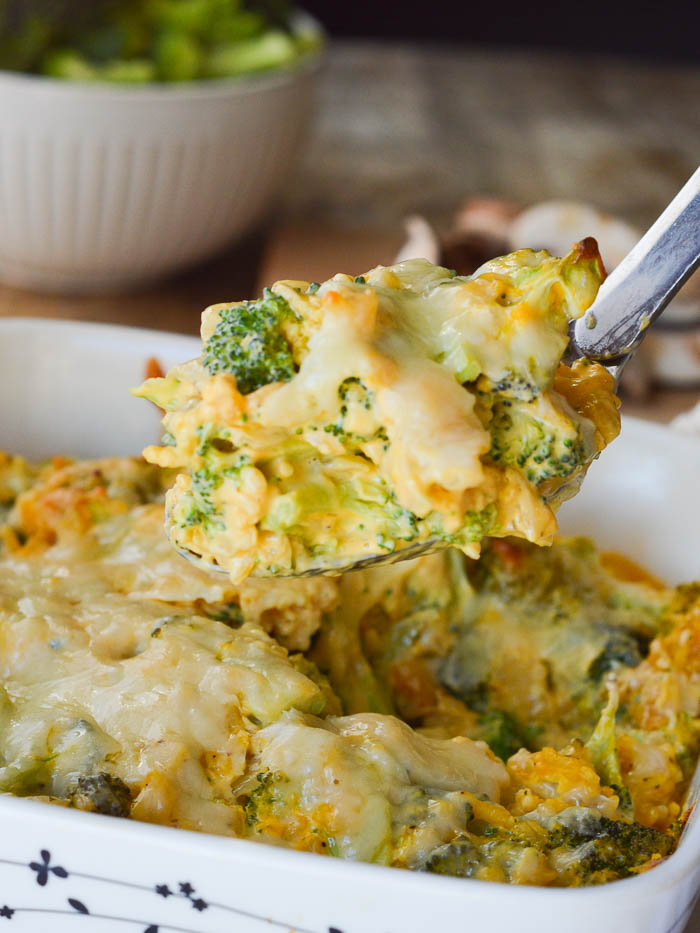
<point x="495" y="710"/>
<point x="531" y="716"/>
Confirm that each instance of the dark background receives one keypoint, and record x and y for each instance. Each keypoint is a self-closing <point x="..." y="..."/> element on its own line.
<point x="644" y="29"/>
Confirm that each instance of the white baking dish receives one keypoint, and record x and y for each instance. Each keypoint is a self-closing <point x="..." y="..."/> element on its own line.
<point x="63" y="388"/>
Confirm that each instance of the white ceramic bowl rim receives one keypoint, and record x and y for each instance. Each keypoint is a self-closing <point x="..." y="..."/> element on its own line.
<point x="308" y="61"/>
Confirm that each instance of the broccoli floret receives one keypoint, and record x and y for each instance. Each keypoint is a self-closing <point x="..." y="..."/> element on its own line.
<point x="685" y="598"/>
<point x="261" y="800"/>
<point x="503" y="733"/>
<point x="465" y="671"/>
<point x="485" y="851"/>
<point x="460" y="859"/>
<point x="600" y="848"/>
<point x="623" y="649"/>
<point x="201" y="510"/>
<point x="101" y="793"/>
<point x="477" y="524"/>
<point x="584" y="848"/>
<point x="519" y="439"/>
<point x="250" y="343"/>
<point x="229" y="613"/>
<point x="602" y="747"/>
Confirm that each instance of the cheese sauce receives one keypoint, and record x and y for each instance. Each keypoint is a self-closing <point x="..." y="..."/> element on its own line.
<point x="325" y="424"/>
<point x="531" y="717"/>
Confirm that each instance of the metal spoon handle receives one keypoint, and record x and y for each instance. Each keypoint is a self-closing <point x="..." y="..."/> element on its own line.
<point x="638" y="290"/>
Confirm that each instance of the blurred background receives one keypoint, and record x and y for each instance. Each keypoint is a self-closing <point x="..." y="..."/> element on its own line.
<point x="169" y="159"/>
<point x="627" y="27"/>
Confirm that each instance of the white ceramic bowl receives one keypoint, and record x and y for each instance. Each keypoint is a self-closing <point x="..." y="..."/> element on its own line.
<point x="63" y="870"/>
<point x="106" y="187"/>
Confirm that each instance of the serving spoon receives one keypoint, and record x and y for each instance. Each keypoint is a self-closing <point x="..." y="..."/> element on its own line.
<point x="639" y="288"/>
<point x="610" y="332"/>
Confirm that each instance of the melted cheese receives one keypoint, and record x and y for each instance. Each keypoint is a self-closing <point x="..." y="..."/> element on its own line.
<point x="112" y="659"/>
<point x="381" y="440"/>
<point x="118" y="659"/>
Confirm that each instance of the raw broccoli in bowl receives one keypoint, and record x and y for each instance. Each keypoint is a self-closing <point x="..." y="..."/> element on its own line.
<point x="130" y="42"/>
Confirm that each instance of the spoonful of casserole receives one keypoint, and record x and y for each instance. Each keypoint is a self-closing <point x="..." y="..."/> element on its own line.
<point x="372" y="418"/>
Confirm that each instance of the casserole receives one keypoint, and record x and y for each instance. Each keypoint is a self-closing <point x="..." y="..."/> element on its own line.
<point x="58" y="865"/>
<point x="383" y="414"/>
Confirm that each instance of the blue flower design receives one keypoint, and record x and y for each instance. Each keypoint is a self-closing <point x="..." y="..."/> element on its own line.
<point x="44" y="868"/>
